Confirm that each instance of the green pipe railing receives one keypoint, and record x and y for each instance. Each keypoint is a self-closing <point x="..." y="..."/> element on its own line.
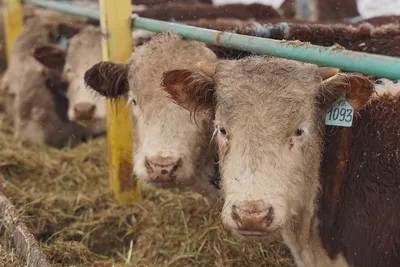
<point x="66" y="8"/>
<point x="371" y="64"/>
<point x="377" y="65"/>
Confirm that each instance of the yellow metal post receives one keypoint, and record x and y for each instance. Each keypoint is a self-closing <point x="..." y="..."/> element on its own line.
<point x="117" y="46"/>
<point x="13" y="24"/>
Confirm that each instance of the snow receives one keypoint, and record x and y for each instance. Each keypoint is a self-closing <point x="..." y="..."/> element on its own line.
<point x="367" y="8"/>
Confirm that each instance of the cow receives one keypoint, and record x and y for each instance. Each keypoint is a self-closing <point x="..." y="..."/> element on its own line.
<point x="40" y="104"/>
<point x="82" y="52"/>
<point x="57" y="24"/>
<point x="331" y="192"/>
<point x="84" y="106"/>
<point x="171" y="148"/>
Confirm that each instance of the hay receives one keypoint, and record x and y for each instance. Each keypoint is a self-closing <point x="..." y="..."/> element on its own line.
<point x="64" y="198"/>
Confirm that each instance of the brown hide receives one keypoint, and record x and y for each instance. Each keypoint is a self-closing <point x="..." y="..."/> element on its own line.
<point x="163" y="2"/>
<point x="365" y="222"/>
<point x="327" y="9"/>
<point x="382" y="40"/>
<point x="381" y="20"/>
<point x="185" y="12"/>
<point x="217" y="24"/>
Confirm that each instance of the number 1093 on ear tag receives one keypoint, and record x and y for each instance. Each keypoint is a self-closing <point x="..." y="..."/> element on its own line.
<point x="341" y="113"/>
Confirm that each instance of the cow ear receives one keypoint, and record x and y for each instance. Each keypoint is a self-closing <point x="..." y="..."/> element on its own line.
<point x="192" y="90"/>
<point x="50" y="56"/>
<point x="70" y="29"/>
<point x="358" y="89"/>
<point x="108" y="79"/>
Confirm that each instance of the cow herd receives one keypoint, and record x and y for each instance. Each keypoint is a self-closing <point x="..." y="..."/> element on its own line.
<point x="251" y="130"/>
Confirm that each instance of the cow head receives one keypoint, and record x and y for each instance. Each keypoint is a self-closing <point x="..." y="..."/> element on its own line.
<point x="84" y="50"/>
<point x="269" y="117"/>
<point x="170" y="147"/>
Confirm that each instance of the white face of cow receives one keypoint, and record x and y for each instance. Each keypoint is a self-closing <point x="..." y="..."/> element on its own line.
<point x="171" y="148"/>
<point x="268" y="140"/>
<point x="84" y="106"/>
<point x="268" y="117"/>
<point x="83" y="52"/>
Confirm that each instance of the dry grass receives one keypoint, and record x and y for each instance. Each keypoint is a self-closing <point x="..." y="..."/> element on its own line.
<point x="63" y="196"/>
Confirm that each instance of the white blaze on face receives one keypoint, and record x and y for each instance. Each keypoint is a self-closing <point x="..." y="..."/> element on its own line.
<point x="84" y="51"/>
<point x="170" y="147"/>
<point x="78" y="93"/>
<point x="166" y="135"/>
<point x="268" y="143"/>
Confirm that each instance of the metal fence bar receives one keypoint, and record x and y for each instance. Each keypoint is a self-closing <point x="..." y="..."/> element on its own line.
<point x="67" y="8"/>
<point x="377" y="65"/>
<point x="366" y="63"/>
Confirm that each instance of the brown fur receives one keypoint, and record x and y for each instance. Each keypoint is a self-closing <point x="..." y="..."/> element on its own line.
<point x="327" y="9"/>
<point x="50" y="55"/>
<point x="186" y="12"/>
<point x="108" y="79"/>
<point x="192" y="90"/>
<point x="336" y="151"/>
<point x="357" y="87"/>
<point x="382" y="40"/>
<point x="381" y="20"/>
<point x="220" y="24"/>
<point x="364" y="225"/>
<point x="151" y="3"/>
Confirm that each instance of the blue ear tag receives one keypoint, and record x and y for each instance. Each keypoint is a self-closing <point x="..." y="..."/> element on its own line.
<point x="341" y="113"/>
<point x="63" y="42"/>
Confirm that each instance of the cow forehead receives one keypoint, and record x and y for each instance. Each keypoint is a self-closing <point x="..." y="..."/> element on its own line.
<point x="265" y="92"/>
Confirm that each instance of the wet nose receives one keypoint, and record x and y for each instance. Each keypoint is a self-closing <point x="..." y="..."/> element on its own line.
<point x="4" y="87"/>
<point x="253" y="216"/>
<point x="162" y="169"/>
<point x="84" y="111"/>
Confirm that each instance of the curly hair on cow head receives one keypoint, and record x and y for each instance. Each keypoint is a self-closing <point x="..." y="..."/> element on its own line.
<point x="108" y="79"/>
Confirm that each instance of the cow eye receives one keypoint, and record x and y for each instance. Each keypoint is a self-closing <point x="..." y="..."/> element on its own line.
<point x="221" y="129"/>
<point x="133" y="101"/>
<point x="299" y="132"/>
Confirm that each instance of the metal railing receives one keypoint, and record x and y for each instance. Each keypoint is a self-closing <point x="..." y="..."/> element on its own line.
<point x="366" y="63"/>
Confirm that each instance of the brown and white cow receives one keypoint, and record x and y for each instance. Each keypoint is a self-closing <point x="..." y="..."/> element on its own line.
<point x="171" y="148"/>
<point x="331" y="192"/>
<point x="57" y="24"/>
<point x="40" y="104"/>
<point x="83" y="51"/>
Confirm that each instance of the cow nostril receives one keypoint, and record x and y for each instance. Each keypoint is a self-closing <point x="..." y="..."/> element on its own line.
<point x="162" y="168"/>
<point x="268" y="218"/>
<point x="235" y="215"/>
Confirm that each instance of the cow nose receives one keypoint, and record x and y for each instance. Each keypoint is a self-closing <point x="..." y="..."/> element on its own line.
<point x="253" y="216"/>
<point x="162" y="169"/>
<point x="84" y="111"/>
<point x="4" y="87"/>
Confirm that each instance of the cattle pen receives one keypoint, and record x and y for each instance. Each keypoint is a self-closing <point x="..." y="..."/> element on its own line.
<point x="95" y="220"/>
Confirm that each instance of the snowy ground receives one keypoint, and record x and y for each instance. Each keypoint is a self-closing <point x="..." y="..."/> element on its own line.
<point x="367" y="8"/>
